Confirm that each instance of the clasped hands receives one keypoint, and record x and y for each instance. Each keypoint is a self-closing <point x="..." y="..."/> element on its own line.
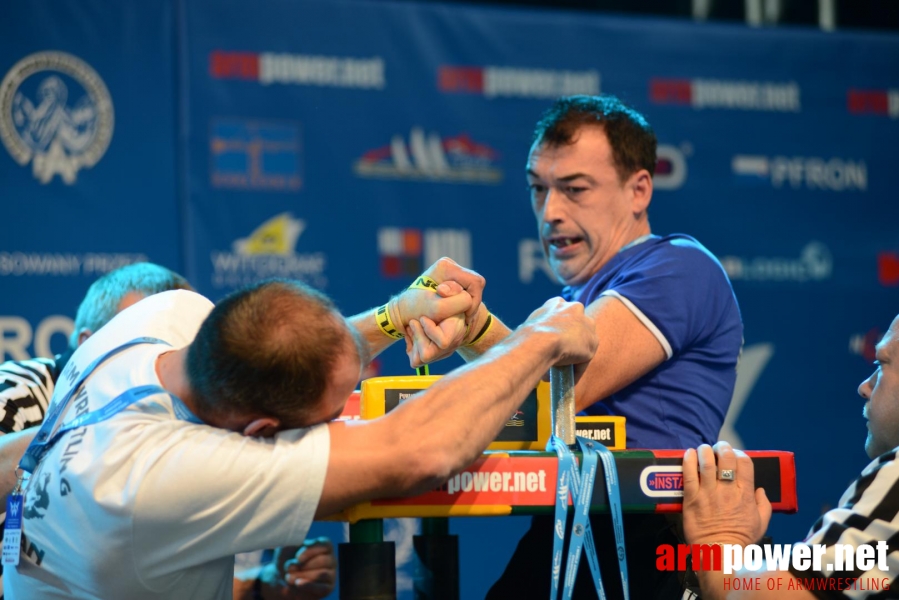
<point x="437" y="322"/>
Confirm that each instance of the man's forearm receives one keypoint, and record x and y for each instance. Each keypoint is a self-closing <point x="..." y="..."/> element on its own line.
<point x="382" y="326"/>
<point x="366" y="324"/>
<point x="472" y="403"/>
<point x="427" y="439"/>
<point x="496" y="333"/>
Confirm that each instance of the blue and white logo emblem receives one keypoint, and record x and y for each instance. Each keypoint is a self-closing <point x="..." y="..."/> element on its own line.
<point x="56" y="113"/>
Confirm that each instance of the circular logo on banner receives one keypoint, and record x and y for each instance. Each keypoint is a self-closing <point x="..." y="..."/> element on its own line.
<point x="56" y="113"/>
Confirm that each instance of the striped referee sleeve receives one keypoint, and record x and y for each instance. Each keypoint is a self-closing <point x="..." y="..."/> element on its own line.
<point x="26" y="387"/>
<point x="868" y="513"/>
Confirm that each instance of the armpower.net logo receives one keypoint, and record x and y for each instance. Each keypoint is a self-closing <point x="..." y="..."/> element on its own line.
<point x="839" y="567"/>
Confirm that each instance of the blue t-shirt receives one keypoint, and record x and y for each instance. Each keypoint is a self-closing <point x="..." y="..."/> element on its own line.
<point x="679" y="290"/>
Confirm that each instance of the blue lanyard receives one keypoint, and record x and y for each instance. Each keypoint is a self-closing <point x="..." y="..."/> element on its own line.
<point x="45" y="438"/>
<point x="563" y="479"/>
<point x="613" y="488"/>
<point x="582" y="492"/>
<point x="581" y="489"/>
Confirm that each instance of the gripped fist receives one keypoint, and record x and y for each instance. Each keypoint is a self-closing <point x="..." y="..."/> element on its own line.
<point x="721" y="511"/>
<point x="427" y="341"/>
<point x="308" y="572"/>
<point x="449" y="300"/>
<point x="446" y="269"/>
<point x="576" y="332"/>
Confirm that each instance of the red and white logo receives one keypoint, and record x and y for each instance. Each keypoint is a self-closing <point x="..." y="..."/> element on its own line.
<point x="514" y="82"/>
<point x="457" y="159"/>
<point x="270" y="68"/>
<point x="662" y="481"/>
<point x="876" y="102"/>
<point x="671" y="166"/>
<point x="406" y="251"/>
<point x="702" y="94"/>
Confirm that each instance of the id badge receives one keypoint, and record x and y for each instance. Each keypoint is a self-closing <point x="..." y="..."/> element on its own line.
<point x="12" y="535"/>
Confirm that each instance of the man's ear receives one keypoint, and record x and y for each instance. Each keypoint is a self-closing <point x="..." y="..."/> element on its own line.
<point x="264" y="427"/>
<point x="640" y="184"/>
<point x="83" y="335"/>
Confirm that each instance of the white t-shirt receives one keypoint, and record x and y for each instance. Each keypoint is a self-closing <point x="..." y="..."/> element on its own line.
<point x="146" y="505"/>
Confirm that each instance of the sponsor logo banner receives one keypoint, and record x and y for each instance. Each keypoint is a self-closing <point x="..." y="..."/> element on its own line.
<point x="56" y="113"/>
<point x="671" y="166"/>
<point x="255" y="155"/>
<point x="496" y="481"/>
<point x="267" y="68"/>
<point x="522" y="426"/>
<point x="703" y="94"/>
<point x="662" y="481"/>
<point x="513" y="82"/>
<point x="429" y="157"/>
<point x="269" y="251"/>
<point x="801" y="172"/>
<point x="779" y="558"/>
<point x="815" y="263"/>
<point x="874" y="102"/>
<point x="395" y="397"/>
<point x="599" y="432"/>
<point x="59" y="264"/>
<point x="17" y="334"/>
<point x="405" y="252"/>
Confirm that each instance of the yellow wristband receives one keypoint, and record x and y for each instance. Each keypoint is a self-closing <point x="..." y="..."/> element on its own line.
<point x="385" y="323"/>
<point x="424" y="283"/>
<point x="487" y="325"/>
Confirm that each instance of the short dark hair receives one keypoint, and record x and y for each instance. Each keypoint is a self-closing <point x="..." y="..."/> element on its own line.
<point x="630" y="136"/>
<point x="269" y="350"/>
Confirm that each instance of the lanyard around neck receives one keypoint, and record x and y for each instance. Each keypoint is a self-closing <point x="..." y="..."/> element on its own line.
<point x="47" y="437"/>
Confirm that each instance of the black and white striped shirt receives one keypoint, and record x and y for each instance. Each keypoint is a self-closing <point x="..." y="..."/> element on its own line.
<point x="26" y="387"/>
<point x="868" y="513"/>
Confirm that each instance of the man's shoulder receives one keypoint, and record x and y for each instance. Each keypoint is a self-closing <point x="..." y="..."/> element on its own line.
<point x="887" y="460"/>
<point x="670" y="256"/>
<point x="682" y="246"/>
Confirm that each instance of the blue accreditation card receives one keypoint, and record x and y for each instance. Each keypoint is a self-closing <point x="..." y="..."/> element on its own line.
<point x="12" y="534"/>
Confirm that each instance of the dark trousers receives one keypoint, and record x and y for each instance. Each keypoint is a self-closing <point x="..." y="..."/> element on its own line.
<point x="529" y="570"/>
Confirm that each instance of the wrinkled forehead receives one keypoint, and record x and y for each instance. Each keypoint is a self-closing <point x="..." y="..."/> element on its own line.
<point x="588" y="144"/>
<point x="541" y="148"/>
<point x="547" y="161"/>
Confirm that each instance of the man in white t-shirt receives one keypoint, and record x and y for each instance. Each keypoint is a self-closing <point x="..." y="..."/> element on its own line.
<point x="27" y="386"/>
<point x="226" y="456"/>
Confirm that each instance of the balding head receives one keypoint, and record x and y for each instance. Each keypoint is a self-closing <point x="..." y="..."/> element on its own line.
<point x="278" y="349"/>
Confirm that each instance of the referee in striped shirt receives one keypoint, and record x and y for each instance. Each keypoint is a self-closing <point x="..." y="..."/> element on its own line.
<point x="722" y="506"/>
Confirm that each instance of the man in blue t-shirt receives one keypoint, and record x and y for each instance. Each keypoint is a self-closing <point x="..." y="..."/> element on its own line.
<point x="669" y="326"/>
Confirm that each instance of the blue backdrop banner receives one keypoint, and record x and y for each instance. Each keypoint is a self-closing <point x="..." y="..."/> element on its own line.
<point x="350" y="144"/>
